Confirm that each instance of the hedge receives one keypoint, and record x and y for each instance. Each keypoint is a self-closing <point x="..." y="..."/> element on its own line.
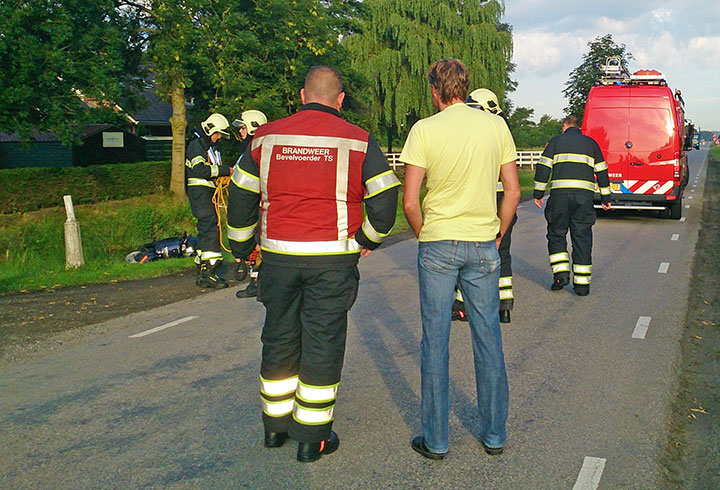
<point x="28" y="189"/>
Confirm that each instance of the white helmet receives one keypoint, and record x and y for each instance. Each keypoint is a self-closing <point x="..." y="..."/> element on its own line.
<point x="251" y="119"/>
<point x="485" y="100"/>
<point x="216" y="123"/>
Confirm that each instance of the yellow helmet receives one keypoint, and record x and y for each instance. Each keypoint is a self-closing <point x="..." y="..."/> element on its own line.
<point x="216" y="123"/>
<point x="485" y="100"/>
<point x="251" y="119"/>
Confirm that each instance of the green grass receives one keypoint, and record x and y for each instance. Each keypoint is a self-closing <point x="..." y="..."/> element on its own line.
<point x="715" y="152"/>
<point x="32" y="244"/>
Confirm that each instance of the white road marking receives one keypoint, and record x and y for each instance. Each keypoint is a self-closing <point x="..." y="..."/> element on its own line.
<point x="690" y="197"/>
<point x="641" y="327"/>
<point x="590" y="474"/>
<point x="683" y="218"/>
<point x="163" y="327"/>
<point x="687" y="206"/>
<point x="675" y="237"/>
<point x="664" y="266"/>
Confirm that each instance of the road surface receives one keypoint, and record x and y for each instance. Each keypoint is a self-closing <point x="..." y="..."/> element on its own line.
<point x="168" y="398"/>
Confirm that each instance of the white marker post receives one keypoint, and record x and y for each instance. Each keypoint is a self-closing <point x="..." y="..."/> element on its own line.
<point x="73" y="241"/>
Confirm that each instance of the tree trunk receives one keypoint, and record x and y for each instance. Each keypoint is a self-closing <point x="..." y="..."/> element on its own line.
<point x="178" y="122"/>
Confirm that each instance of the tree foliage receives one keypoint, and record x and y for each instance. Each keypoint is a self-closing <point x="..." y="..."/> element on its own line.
<point x="584" y="76"/>
<point x="401" y="38"/>
<point x="529" y="134"/>
<point x="55" y="55"/>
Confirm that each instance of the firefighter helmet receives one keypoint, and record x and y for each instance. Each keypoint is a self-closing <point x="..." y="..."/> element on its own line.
<point x="251" y="120"/>
<point x="216" y="123"/>
<point x="485" y="100"/>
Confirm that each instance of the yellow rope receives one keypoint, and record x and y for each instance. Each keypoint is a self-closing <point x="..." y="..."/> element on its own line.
<point x="219" y="199"/>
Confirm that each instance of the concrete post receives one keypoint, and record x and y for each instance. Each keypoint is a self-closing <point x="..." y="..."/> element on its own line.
<point x="73" y="241"/>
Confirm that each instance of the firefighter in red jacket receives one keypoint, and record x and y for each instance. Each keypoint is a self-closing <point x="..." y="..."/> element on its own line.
<point x="568" y="168"/>
<point x="303" y="183"/>
<point x="202" y="165"/>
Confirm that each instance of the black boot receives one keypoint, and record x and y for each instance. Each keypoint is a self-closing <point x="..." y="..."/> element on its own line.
<point x="250" y="291"/>
<point x="504" y="316"/>
<point x="312" y="451"/>
<point x="208" y="278"/>
<point x="559" y="282"/>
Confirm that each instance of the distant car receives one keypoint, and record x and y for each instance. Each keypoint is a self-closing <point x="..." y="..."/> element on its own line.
<point x="696" y="143"/>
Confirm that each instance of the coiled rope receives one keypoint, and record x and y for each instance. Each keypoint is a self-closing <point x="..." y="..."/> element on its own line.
<point x="219" y="199"/>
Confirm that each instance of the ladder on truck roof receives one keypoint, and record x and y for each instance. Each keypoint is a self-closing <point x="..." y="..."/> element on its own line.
<point x="613" y="72"/>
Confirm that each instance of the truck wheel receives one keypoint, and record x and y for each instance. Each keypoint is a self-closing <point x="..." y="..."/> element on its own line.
<point x="675" y="210"/>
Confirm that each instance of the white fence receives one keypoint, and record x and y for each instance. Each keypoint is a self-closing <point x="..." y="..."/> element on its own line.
<point x="526" y="159"/>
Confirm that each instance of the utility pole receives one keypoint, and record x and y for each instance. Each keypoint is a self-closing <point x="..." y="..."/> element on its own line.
<point x="73" y="241"/>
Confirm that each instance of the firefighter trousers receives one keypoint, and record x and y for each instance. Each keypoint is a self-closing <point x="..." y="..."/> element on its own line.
<point x="507" y="297"/>
<point x="303" y="346"/>
<point x="572" y="211"/>
<point x="207" y="221"/>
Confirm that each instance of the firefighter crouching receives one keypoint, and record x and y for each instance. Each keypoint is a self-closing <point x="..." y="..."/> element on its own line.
<point x="486" y="100"/>
<point x="245" y="126"/>
<point x="202" y="165"/>
<point x="303" y="183"/>
<point x="568" y="168"/>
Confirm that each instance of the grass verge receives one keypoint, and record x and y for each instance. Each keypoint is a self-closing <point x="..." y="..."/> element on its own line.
<point x="692" y="452"/>
<point x="32" y="244"/>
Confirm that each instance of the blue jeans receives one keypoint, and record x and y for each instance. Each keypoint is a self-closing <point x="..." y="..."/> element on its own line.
<point x="476" y="266"/>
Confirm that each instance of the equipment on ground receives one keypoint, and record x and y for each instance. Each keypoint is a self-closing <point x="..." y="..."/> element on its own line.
<point x="166" y="248"/>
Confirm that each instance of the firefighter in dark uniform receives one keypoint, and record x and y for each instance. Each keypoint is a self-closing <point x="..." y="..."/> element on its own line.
<point x="303" y="183"/>
<point x="245" y="126"/>
<point x="202" y="165"/>
<point x="485" y="100"/>
<point x="568" y="168"/>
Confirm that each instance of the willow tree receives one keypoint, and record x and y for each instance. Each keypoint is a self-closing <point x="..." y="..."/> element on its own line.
<point x="401" y="38"/>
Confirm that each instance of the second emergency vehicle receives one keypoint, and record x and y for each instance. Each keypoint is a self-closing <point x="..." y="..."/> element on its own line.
<point x="640" y="127"/>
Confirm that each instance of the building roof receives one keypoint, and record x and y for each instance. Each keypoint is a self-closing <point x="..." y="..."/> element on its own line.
<point x="157" y="112"/>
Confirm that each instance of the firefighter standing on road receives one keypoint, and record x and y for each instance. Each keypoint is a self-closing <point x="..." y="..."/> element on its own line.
<point x="486" y="100"/>
<point x="568" y="168"/>
<point x="245" y="126"/>
<point x="202" y="165"/>
<point x="303" y="182"/>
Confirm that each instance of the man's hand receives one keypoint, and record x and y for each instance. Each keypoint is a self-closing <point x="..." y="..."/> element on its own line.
<point x="539" y="202"/>
<point x="606" y="206"/>
<point x="364" y="252"/>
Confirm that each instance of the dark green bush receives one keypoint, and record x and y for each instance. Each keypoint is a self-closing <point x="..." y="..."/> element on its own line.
<point x="28" y="189"/>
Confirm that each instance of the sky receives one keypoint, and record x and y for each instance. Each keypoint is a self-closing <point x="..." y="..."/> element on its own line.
<point x="679" y="39"/>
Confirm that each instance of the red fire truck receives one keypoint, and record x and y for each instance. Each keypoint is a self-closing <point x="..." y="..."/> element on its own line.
<point x="640" y="126"/>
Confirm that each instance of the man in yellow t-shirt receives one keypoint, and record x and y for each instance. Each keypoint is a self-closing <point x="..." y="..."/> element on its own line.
<point x="462" y="151"/>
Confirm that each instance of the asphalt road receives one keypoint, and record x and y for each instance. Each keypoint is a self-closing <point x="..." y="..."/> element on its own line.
<point x="591" y="382"/>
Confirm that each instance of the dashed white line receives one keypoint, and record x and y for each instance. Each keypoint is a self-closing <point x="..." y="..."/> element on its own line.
<point x="590" y="474"/>
<point x="664" y="266"/>
<point x="690" y="197"/>
<point x="687" y="206"/>
<point x="641" y="327"/>
<point x="683" y="218"/>
<point x="675" y="237"/>
<point x="163" y="327"/>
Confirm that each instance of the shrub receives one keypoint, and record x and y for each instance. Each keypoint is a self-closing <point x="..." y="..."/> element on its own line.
<point x="28" y="189"/>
